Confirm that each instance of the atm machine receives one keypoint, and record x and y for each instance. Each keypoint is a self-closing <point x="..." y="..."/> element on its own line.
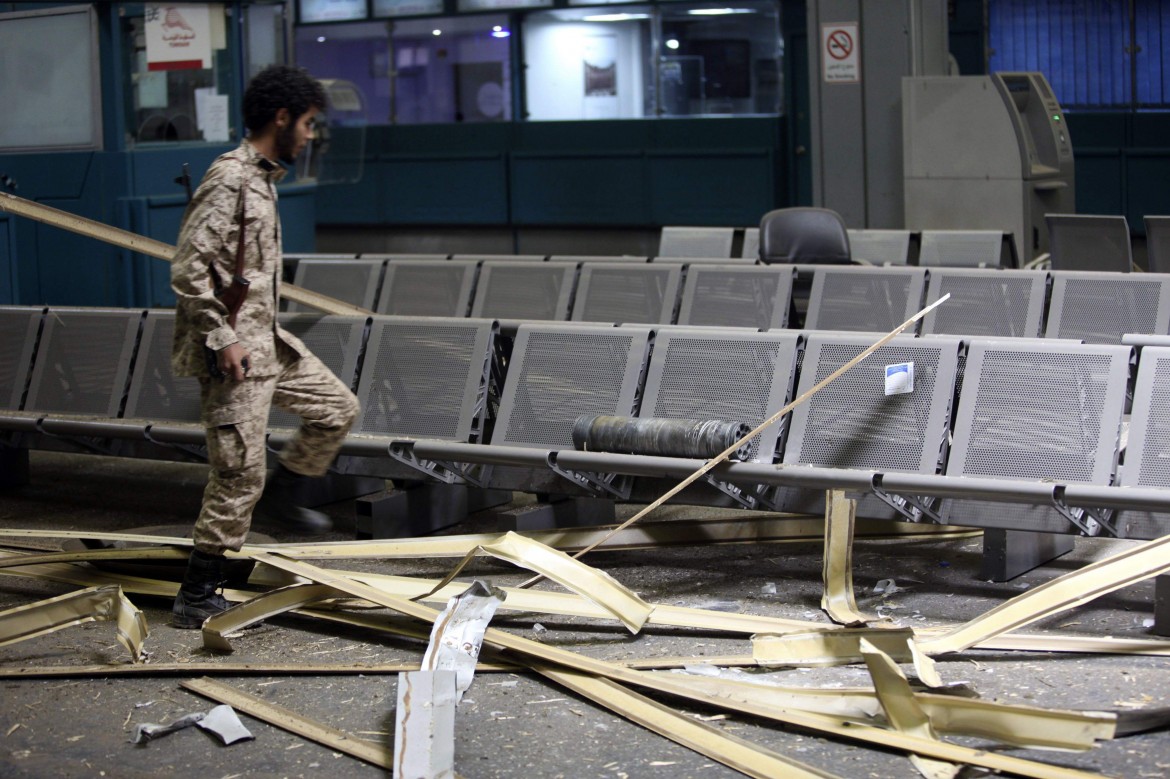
<point x="986" y="153"/>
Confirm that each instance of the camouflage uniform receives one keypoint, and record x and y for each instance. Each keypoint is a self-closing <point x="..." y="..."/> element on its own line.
<point x="281" y="369"/>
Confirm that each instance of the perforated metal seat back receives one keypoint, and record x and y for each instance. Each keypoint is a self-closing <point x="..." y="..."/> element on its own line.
<point x="1101" y="307"/>
<point x="18" y="334"/>
<point x="695" y="241"/>
<point x="986" y="302"/>
<point x="621" y="292"/>
<point x="397" y="256"/>
<point x="559" y="373"/>
<point x="521" y="290"/>
<point x="727" y="296"/>
<point x="1158" y="243"/>
<point x="880" y="247"/>
<point x="734" y="377"/>
<point x="335" y="340"/>
<point x="351" y="281"/>
<point x="1089" y="243"/>
<point x="1147" y="456"/>
<point x="427" y="288"/>
<point x="1033" y="411"/>
<point x="425" y="378"/>
<point x="960" y="248"/>
<point x="83" y="361"/>
<point x="853" y="423"/>
<point x="500" y="257"/>
<point x="156" y="394"/>
<point x="872" y="300"/>
<point x="751" y="243"/>
<point x="580" y="258"/>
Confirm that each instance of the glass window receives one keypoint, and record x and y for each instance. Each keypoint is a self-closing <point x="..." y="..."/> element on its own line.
<point x="677" y="59"/>
<point x="589" y="63"/>
<point x="415" y="71"/>
<point x="181" y="73"/>
<point x="452" y="69"/>
<point x="720" y="59"/>
<point x="358" y="53"/>
<point x="264" y="30"/>
<point x="50" y="89"/>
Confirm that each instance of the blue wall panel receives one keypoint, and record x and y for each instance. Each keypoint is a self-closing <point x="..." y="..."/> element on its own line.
<point x="1080" y="47"/>
<point x="443" y="189"/>
<point x="580" y="189"/>
<point x="7" y="263"/>
<point x="729" y="189"/>
<point x="1146" y="174"/>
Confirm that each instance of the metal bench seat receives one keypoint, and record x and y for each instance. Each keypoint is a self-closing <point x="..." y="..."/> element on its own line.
<point x="854" y="424"/>
<point x="556" y="374"/>
<point x="758" y="296"/>
<point x="1040" y="414"/>
<point x="863" y="299"/>
<point x="353" y="281"/>
<point x="1100" y="307"/>
<point x="625" y="292"/>
<point x="524" y="290"/>
<point x="428" y="288"/>
<point x="422" y="378"/>
<point x="987" y="302"/>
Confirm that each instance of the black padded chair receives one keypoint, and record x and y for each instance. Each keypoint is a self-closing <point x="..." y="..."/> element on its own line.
<point x="804" y="235"/>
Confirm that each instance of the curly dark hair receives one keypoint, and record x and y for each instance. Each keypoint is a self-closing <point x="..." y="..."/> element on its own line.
<point x="277" y="87"/>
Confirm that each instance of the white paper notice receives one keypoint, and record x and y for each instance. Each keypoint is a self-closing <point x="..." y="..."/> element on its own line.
<point x="215" y="118"/>
<point x="900" y="378"/>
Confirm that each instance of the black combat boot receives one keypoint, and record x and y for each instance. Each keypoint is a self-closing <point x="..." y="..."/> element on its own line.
<point x="197" y="599"/>
<point x="281" y="504"/>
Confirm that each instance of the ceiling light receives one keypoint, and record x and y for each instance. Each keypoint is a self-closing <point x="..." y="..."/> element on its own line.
<point x="616" y="17"/>
<point x="719" y="11"/>
<point x="436" y="32"/>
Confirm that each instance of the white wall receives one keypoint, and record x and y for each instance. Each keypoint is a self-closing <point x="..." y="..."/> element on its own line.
<point x="555" y="78"/>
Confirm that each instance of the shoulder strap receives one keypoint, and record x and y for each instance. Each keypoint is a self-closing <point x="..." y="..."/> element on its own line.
<point x="242" y="214"/>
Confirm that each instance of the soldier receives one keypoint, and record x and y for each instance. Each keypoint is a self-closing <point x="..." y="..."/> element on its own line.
<point x="226" y="276"/>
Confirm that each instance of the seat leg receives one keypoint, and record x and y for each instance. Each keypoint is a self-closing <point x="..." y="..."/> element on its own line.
<point x="1161" y="605"/>
<point x="13" y="467"/>
<point x="565" y="512"/>
<point x="1010" y="553"/>
<point x="405" y="513"/>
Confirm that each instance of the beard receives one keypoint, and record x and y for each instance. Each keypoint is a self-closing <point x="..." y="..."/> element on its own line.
<point x="286" y="144"/>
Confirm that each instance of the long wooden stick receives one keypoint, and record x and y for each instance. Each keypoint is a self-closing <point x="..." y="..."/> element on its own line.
<point x="141" y="244"/>
<point x="770" y="421"/>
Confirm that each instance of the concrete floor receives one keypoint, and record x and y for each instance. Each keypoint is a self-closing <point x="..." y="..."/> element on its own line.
<point x="517" y="725"/>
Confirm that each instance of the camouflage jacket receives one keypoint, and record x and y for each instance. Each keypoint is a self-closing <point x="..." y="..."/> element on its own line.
<point x="207" y="256"/>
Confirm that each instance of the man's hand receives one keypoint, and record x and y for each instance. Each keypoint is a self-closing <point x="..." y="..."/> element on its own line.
<point x="233" y="362"/>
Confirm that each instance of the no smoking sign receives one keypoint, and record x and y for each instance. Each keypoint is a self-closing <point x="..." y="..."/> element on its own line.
<point x="840" y="53"/>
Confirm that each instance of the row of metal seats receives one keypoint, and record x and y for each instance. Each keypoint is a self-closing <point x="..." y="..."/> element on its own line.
<point x="1024" y="434"/>
<point x="1102" y="243"/>
<point x="1094" y="307"/>
<point x="1077" y="242"/>
<point x="939" y="248"/>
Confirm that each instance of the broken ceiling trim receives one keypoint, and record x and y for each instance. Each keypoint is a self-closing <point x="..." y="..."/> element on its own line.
<point x="903" y="710"/>
<point x="826" y="725"/>
<point x="106" y="603"/>
<point x="285" y="719"/>
<point x="1060" y="594"/>
<point x="837" y="564"/>
<point x="744" y="756"/>
<point x="590" y="583"/>
<point x="794" y="528"/>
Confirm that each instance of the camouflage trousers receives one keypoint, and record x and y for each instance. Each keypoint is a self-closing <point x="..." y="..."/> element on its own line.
<point x="236" y="417"/>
